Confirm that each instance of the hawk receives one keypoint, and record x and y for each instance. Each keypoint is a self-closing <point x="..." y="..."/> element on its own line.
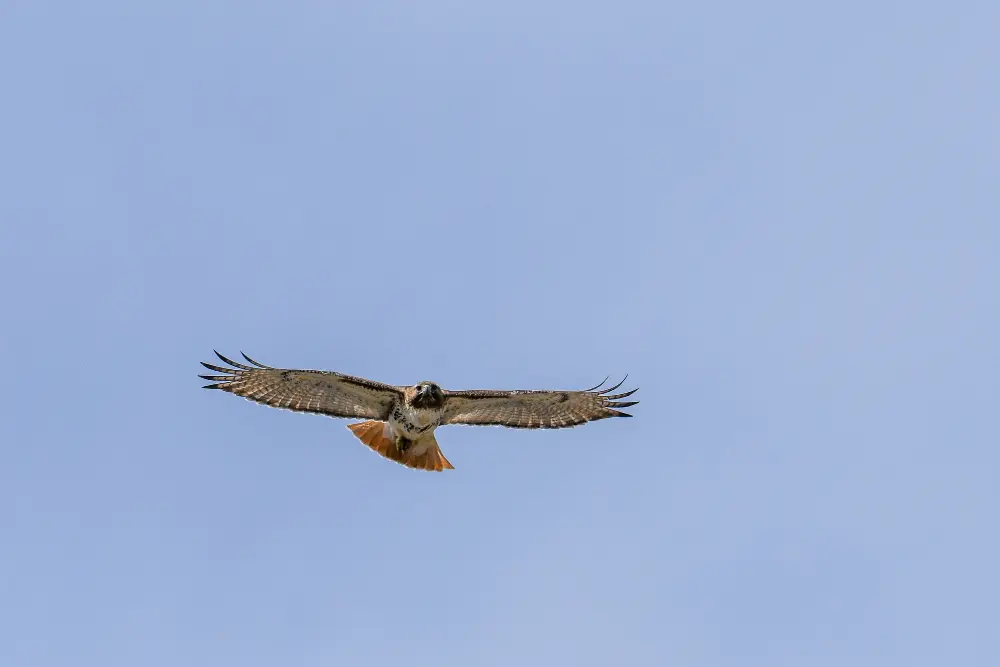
<point x="400" y="421"/>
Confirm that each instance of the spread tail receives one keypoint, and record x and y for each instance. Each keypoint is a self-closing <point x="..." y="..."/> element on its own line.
<point x="422" y="454"/>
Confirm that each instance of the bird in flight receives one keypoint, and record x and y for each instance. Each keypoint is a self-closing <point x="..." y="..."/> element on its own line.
<point x="400" y="420"/>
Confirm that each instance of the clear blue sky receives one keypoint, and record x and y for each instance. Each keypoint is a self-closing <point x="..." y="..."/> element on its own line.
<point x="782" y="221"/>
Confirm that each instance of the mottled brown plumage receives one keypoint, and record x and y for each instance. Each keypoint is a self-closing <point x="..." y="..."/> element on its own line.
<point x="401" y="419"/>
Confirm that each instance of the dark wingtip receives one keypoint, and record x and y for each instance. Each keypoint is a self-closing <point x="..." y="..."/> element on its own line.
<point x="615" y="397"/>
<point x="255" y="363"/>
<point x="598" y="385"/>
<point x="232" y="363"/>
<point x="220" y="369"/>
<point x="609" y="389"/>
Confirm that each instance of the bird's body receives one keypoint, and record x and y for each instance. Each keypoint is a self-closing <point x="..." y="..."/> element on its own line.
<point x="400" y="420"/>
<point x="418" y="411"/>
<point x="408" y="433"/>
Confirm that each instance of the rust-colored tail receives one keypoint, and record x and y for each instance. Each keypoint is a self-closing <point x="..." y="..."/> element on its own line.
<point x="423" y="454"/>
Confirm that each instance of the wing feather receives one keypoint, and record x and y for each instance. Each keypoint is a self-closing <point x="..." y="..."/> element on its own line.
<point x="320" y="392"/>
<point x="534" y="409"/>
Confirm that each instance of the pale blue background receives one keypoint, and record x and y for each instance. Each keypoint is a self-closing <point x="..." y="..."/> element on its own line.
<point x="781" y="218"/>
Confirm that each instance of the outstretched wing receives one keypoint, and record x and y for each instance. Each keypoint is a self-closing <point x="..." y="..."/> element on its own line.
<point x="534" y="409"/>
<point x="321" y="392"/>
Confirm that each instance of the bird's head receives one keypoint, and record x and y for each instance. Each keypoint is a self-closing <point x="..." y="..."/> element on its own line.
<point x="427" y="395"/>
